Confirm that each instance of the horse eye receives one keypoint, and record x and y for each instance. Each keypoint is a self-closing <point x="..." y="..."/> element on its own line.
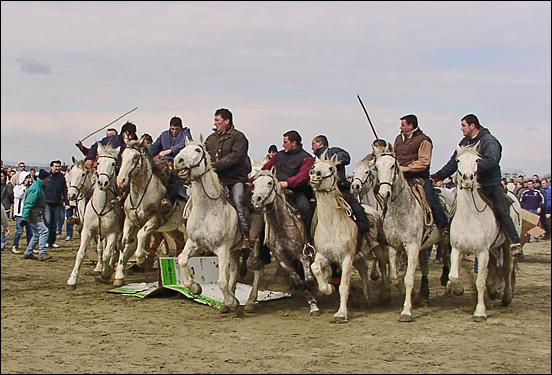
<point x="331" y="169"/>
<point x="270" y="183"/>
<point x="366" y="172"/>
<point x="113" y="164"/>
<point x="198" y="149"/>
<point x="83" y="174"/>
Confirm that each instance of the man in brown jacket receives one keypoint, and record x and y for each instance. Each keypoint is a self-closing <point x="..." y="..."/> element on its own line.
<point x="228" y="148"/>
<point x="413" y="152"/>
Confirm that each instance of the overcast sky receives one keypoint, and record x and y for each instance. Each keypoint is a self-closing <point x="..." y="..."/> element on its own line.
<point x="70" y="68"/>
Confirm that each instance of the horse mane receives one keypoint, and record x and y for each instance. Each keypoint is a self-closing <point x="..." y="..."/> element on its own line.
<point x="368" y="158"/>
<point x="467" y="149"/>
<point x="156" y="167"/>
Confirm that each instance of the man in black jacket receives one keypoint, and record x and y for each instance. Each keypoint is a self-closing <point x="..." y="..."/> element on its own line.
<point x="488" y="174"/>
<point x="55" y="197"/>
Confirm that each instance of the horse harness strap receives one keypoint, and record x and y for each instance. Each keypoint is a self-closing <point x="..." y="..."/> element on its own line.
<point x="419" y="194"/>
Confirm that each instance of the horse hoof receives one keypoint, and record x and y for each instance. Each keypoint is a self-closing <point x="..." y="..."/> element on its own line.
<point x="374" y="275"/>
<point x="339" y="320"/>
<point x="249" y="308"/>
<point x="479" y="319"/>
<point x="195" y="288"/>
<point x="118" y="282"/>
<point x="225" y="309"/>
<point x="444" y="280"/>
<point x="71" y="286"/>
<point x="314" y="312"/>
<point x="103" y="280"/>
<point x="506" y="301"/>
<point x="405" y="318"/>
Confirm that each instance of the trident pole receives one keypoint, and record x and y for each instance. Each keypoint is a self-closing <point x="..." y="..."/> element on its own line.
<point x="102" y="128"/>
<point x="368" y="117"/>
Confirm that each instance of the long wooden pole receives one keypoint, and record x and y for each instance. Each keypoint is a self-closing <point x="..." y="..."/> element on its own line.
<point x="102" y="128"/>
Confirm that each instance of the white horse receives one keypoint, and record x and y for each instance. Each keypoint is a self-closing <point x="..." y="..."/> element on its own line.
<point x="475" y="230"/>
<point x="362" y="186"/>
<point x="143" y="206"/>
<point x="286" y="233"/>
<point x="404" y="222"/>
<point x="102" y="219"/>
<point x="81" y="183"/>
<point x="364" y="181"/>
<point x="212" y="224"/>
<point x="336" y="237"/>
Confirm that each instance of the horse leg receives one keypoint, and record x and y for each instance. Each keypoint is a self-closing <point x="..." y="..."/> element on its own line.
<point x="107" y="256"/>
<point x="454" y="285"/>
<point x="233" y="267"/>
<point x="322" y="271"/>
<point x="507" y="271"/>
<point x="250" y="304"/>
<point x="412" y="251"/>
<point x="382" y="256"/>
<point x="288" y="267"/>
<point x="480" y="313"/>
<point x="230" y="301"/>
<point x="99" y="250"/>
<point x="341" y="316"/>
<point x="394" y="269"/>
<point x="361" y="264"/>
<point x="142" y="237"/>
<point x="129" y="245"/>
<point x="445" y="257"/>
<point x="85" y="238"/>
<point x="424" y="266"/>
<point x="492" y="276"/>
<point x="183" y="257"/>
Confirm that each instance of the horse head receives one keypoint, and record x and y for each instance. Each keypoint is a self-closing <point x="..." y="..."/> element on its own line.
<point x="386" y="168"/>
<point x="323" y="175"/>
<point x="193" y="159"/>
<point x="107" y="165"/>
<point x="265" y="188"/>
<point x="131" y="160"/>
<point x="467" y="158"/>
<point x="78" y="176"/>
<point x="364" y="175"/>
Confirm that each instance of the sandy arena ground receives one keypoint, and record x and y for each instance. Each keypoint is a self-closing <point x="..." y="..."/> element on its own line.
<point x="47" y="329"/>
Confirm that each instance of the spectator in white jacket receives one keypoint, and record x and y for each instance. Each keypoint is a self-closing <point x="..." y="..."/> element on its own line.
<point x="25" y="180"/>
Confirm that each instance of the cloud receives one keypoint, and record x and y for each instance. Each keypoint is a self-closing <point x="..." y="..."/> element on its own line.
<point x="33" y="67"/>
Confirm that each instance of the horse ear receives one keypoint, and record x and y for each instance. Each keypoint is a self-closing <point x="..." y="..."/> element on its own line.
<point x="142" y="142"/>
<point x="324" y="155"/>
<point x="186" y="141"/>
<point x="458" y="149"/>
<point x="117" y="149"/>
<point x="476" y="146"/>
<point x="73" y="159"/>
<point x="201" y="138"/>
<point x="273" y="170"/>
<point x="334" y="159"/>
<point x="101" y="147"/>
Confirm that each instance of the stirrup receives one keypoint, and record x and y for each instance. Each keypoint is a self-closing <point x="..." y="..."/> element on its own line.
<point x="309" y="250"/>
<point x="166" y="205"/>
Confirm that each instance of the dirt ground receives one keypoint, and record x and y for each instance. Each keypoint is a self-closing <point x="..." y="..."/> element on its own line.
<point x="47" y="329"/>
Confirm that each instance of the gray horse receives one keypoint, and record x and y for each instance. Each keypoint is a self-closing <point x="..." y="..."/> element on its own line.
<point x="286" y="233"/>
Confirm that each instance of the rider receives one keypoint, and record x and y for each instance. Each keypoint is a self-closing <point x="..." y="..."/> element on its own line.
<point x="293" y="164"/>
<point x="488" y="174"/>
<point x="228" y="148"/>
<point x="128" y="132"/>
<point x="166" y="147"/>
<point x="321" y="149"/>
<point x="413" y="152"/>
<point x="108" y="133"/>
